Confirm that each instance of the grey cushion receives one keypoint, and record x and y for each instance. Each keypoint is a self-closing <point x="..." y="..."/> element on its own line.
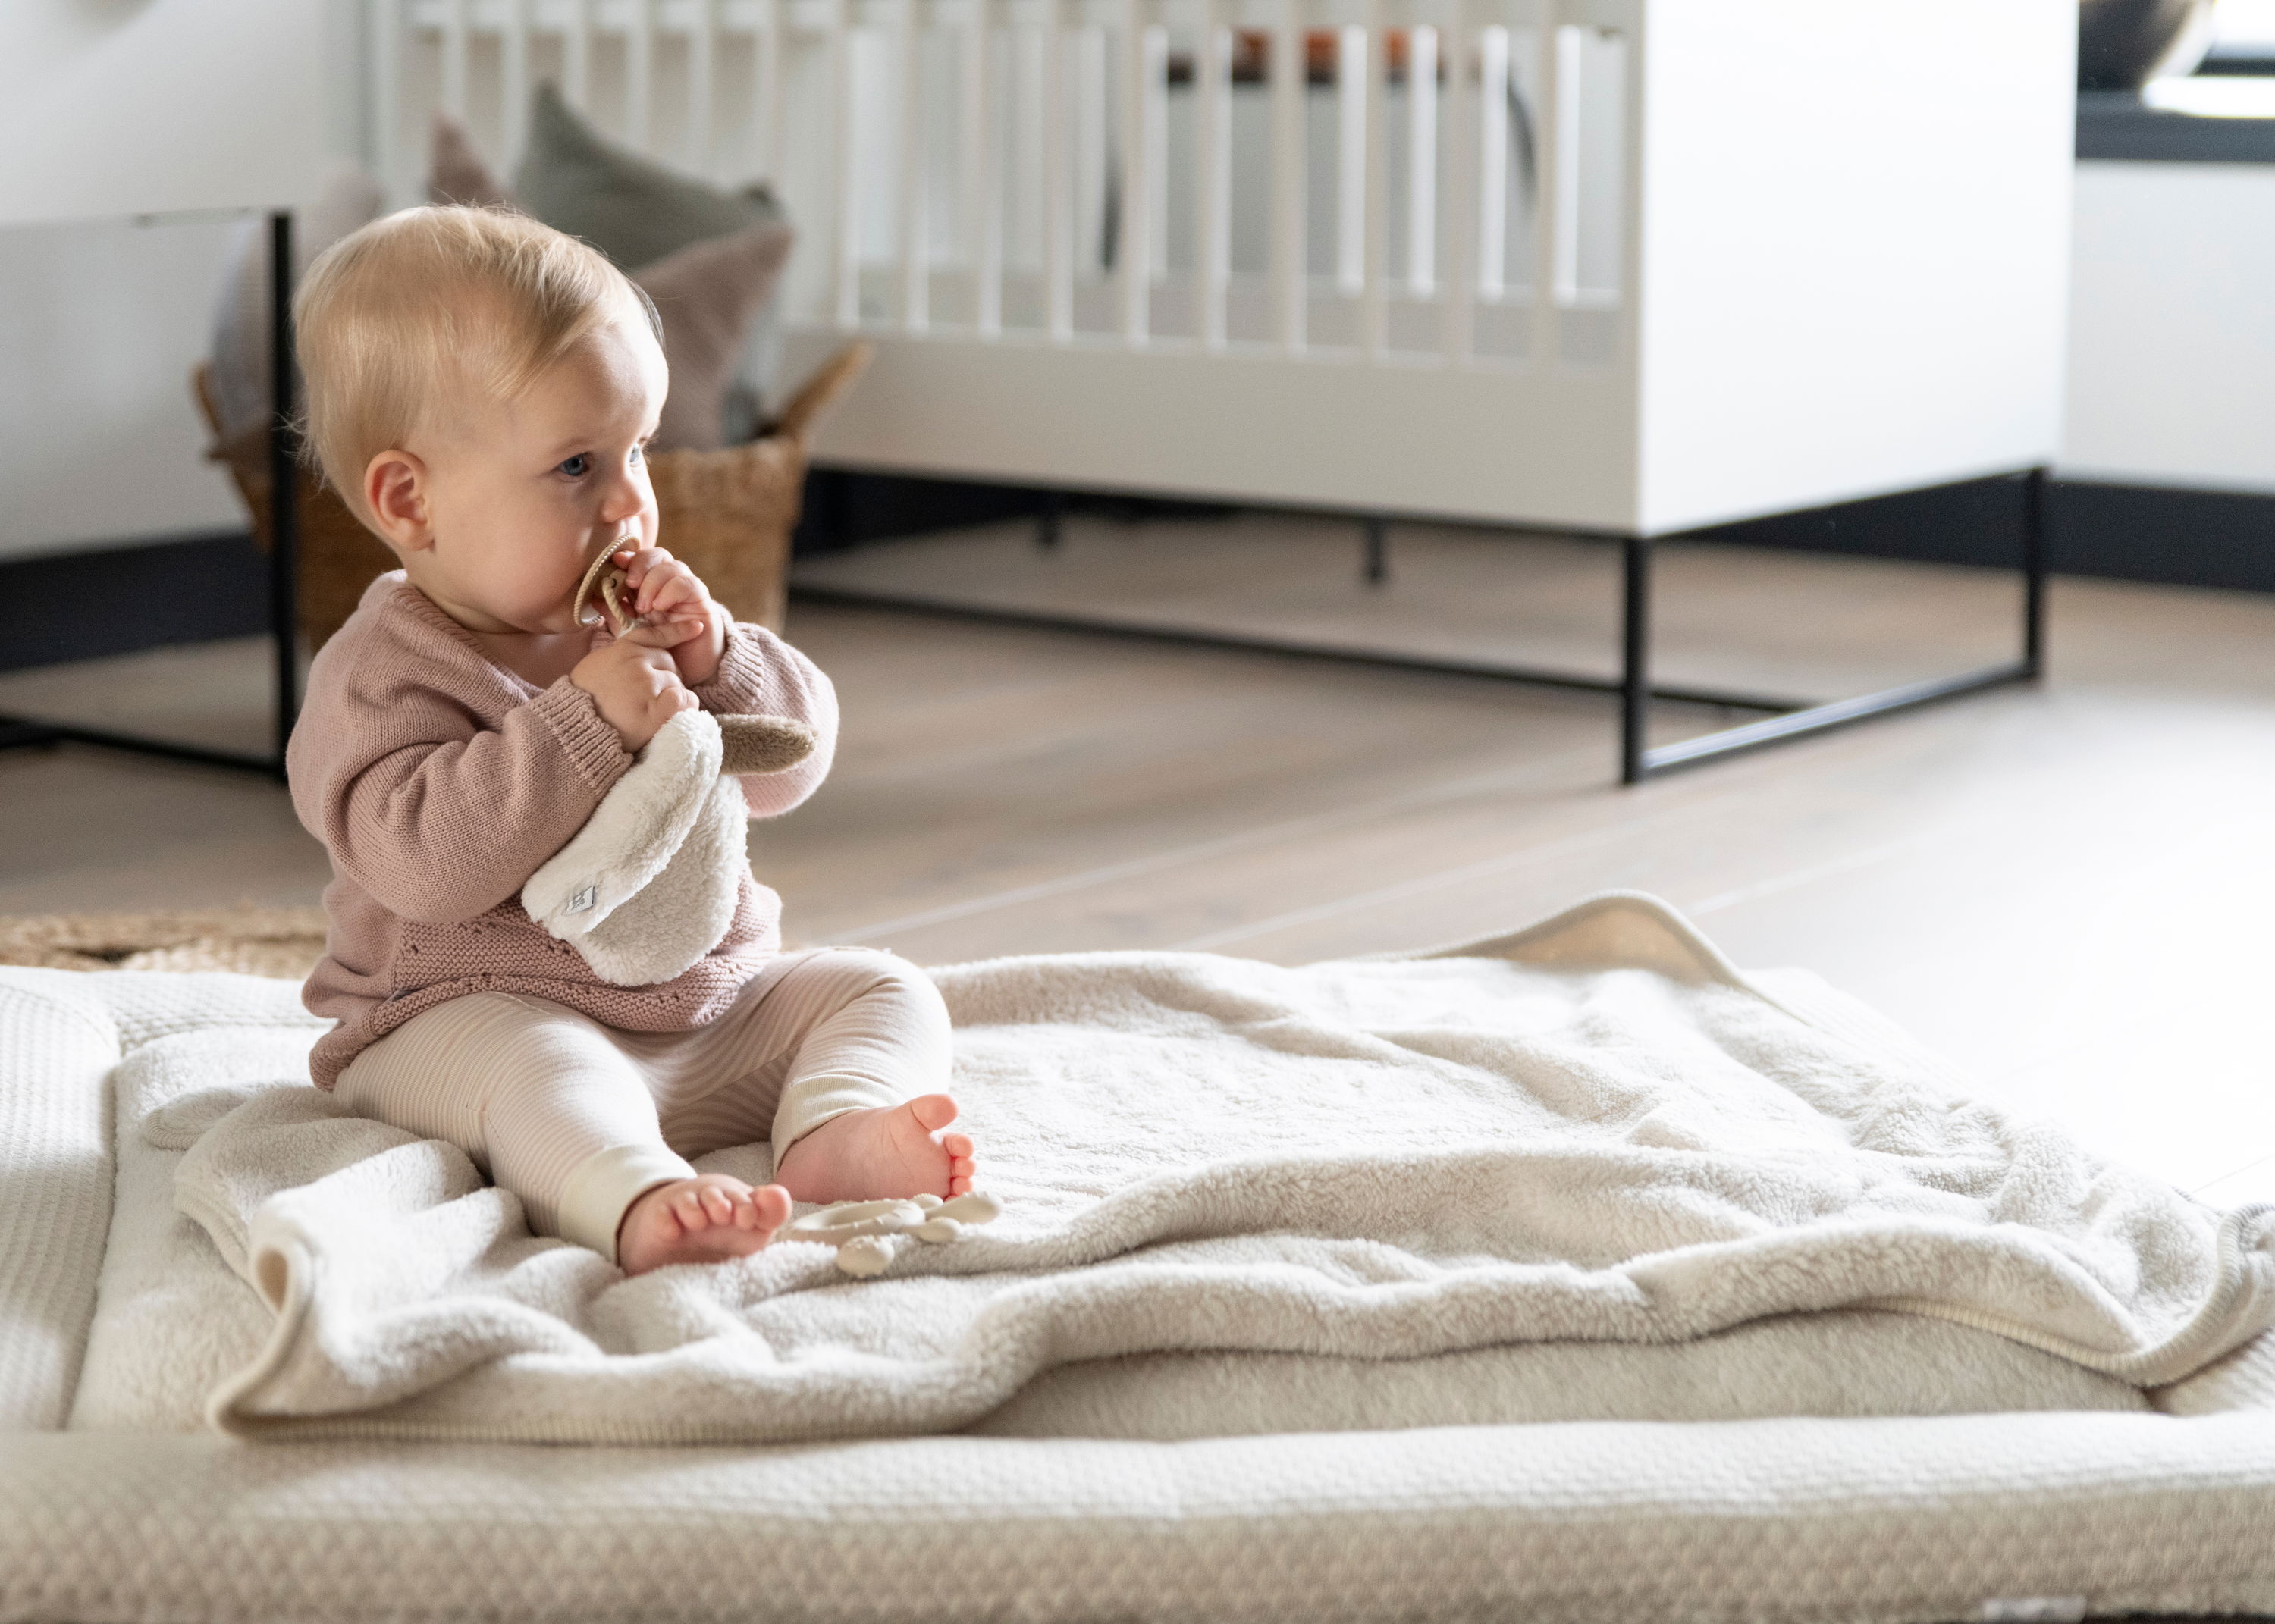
<point x="638" y="212"/>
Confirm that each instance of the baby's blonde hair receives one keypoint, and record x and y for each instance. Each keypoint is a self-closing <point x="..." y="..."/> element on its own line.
<point x="431" y="304"/>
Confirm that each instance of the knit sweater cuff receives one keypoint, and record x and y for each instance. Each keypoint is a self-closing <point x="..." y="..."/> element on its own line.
<point x="737" y="688"/>
<point x="591" y="744"/>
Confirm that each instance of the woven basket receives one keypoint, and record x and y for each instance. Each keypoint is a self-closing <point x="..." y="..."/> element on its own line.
<point x="250" y="940"/>
<point x="729" y="513"/>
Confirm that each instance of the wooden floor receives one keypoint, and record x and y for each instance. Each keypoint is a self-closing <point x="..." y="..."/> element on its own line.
<point x="2066" y="888"/>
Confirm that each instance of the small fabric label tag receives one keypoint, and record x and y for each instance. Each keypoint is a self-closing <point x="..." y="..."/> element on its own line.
<point x="583" y="900"/>
<point x="2033" y="1610"/>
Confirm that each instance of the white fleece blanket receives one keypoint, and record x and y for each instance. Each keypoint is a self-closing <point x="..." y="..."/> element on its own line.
<point x="1603" y="1133"/>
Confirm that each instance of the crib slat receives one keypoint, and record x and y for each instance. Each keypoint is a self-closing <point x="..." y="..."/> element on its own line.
<point x="513" y="77"/>
<point x="1422" y="161"/>
<point x="1133" y="259"/>
<point x="387" y="94"/>
<point x="1492" y="142"/>
<point x="1374" y="311"/>
<point x="1290" y="276"/>
<point x="915" y="271"/>
<point x="639" y="73"/>
<point x="1549" y="202"/>
<point x="1569" y="42"/>
<point x="702" y="50"/>
<point x="845" y="232"/>
<point x="1058" y="256"/>
<point x="1459" y="315"/>
<point x="983" y="221"/>
<point x="576" y="55"/>
<point x="767" y="117"/>
<point x="1090" y="83"/>
<point x="1156" y="109"/>
<point x="1211" y="173"/>
<point x="454" y="59"/>
<point x="1350" y="157"/>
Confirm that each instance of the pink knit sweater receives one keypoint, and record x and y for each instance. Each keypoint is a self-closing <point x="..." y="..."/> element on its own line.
<point x="441" y="781"/>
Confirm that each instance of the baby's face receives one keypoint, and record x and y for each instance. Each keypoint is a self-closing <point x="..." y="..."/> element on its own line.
<point x="522" y="494"/>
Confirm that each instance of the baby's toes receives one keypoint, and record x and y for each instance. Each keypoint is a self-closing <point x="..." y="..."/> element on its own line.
<point x="772" y="1204"/>
<point x="933" y="1112"/>
<point x="957" y="1144"/>
<point x="763" y="1210"/>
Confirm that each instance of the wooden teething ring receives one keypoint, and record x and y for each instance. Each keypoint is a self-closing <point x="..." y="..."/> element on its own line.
<point x="600" y="594"/>
<point x="749" y="744"/>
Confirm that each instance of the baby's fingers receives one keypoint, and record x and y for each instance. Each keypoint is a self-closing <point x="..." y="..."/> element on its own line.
<point x="670" y="585"/>
<point x="662" y="634"/>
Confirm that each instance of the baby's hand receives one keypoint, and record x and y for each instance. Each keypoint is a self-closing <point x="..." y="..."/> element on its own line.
<point x="635" y="687"/>
<point x="681" y="615"/>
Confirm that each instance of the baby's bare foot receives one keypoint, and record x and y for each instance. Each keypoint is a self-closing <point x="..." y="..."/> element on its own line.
<point x="706" y="1219"/>
<point x="875" y="1154"/>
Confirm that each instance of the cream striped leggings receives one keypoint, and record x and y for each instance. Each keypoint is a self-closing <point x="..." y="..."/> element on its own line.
<point x="578" y="1119"/>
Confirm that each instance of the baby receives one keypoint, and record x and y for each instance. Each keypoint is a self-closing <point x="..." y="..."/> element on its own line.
<point x="481" y="390"/>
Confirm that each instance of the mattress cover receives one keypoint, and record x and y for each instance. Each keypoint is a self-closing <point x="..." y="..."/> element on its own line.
<point x="2053" y="1513"/>
<point x="1905" y="1521"/>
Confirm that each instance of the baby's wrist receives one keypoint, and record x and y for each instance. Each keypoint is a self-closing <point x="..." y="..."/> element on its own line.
<point x="720" y="656"/>
<point x="710" y="656"/>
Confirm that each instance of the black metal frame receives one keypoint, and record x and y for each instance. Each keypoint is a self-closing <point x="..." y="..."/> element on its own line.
<point x="1785" y="718"/>
<point x="16" y="732"/>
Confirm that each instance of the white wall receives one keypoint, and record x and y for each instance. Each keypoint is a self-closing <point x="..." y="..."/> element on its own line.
<point x="99" y="329"/>
<point x="100" y="326"/>
<point x="2171" y="368"/>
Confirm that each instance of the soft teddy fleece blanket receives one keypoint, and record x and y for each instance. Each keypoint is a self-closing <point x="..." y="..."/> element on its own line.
<point x="1595" y="1130"/>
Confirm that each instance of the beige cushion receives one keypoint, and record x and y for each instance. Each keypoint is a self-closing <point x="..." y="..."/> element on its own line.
<point x="455" y="172"/>
<point x="643" y="215"/>
<point x="239" y="379"/>
<point x="637" y="211"/>
<point x="707" y="294"/>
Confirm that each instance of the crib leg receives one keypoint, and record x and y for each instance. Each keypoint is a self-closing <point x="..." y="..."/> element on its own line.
<point x="2034" y="574"/>
<point x="1050" y="522"/>
<point x="1635" y="666"/>
<point x="1377" y="550"/>
<point x="1637" y="761"/>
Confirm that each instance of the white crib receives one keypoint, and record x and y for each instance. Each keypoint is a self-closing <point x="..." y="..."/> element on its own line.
<point x="1622" y="266"/>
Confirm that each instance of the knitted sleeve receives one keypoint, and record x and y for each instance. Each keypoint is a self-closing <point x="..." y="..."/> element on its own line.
<point x="761" y="675"/>
<point x="436" y="794"/>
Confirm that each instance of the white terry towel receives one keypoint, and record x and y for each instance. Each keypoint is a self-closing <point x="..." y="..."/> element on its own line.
<point x="1369" y="1159"/>
<point x="648" y="886"/>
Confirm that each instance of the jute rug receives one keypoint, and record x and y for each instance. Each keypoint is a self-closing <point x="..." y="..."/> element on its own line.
<point x="258" y="941"/>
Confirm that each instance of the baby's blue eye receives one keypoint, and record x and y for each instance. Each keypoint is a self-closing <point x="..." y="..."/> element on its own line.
<point x="640" y="453"/>
<point x="578" y="466"/>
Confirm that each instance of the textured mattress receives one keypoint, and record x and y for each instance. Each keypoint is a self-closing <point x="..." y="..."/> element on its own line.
<point x="2020" y="1509"/>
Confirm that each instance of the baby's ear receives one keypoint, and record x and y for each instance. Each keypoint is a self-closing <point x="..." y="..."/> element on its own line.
<point x="394" y="492"/>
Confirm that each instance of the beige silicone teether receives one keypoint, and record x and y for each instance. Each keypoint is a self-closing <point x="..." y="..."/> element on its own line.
<point x="861" y="1230"/>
